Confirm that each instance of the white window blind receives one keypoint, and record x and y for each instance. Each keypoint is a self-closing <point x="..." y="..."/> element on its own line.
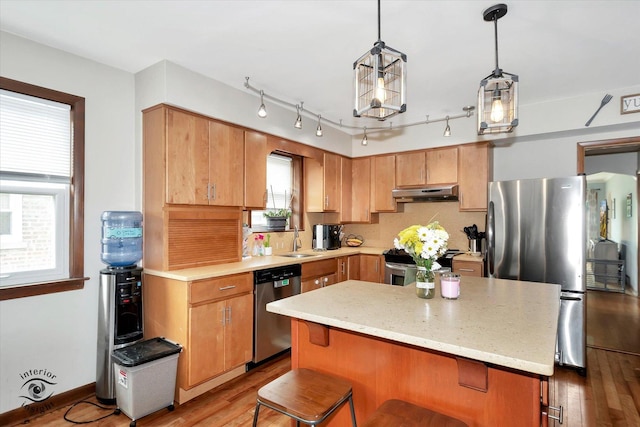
<point x="279" y="179"/>
<point x="35" y="136"/>
<point x="279" y="187"/>
<point x="35" y="181"/>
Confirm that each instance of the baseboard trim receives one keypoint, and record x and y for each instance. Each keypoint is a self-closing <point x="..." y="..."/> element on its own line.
<point x="26" y="413"/>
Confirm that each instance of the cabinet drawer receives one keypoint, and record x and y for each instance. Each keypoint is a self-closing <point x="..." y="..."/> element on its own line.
<point x="468" y="268"/>
<point x="319" y="268"/>
<point x="220" y="287"/>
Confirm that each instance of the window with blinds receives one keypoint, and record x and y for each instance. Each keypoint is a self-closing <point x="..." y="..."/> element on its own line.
<point x="279" y="188"/>
<point x="35" y="176"/>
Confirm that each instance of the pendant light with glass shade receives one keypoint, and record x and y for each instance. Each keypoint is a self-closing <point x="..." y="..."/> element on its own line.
<point x="380" y="81"/>
<point x="498" y="93"/>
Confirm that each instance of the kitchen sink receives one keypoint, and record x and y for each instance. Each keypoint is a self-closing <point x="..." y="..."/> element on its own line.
<point x="294" y="255"/>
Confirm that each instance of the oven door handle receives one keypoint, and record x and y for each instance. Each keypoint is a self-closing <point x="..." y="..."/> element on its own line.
<point x="398" y="266"/>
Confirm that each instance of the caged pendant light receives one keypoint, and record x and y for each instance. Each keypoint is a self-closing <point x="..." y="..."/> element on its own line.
<point x="380" y="81"/>
<point x="498" y="93"/>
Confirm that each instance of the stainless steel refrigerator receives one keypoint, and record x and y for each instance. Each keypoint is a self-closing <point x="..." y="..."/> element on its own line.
<point x="536" y="232"/>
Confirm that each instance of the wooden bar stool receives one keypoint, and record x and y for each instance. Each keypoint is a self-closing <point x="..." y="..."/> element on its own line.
<point x="398" y="413"/>
<point x="306" y="396"/>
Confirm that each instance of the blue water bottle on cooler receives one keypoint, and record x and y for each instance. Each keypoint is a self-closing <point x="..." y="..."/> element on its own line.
<point x="121" y="238"/>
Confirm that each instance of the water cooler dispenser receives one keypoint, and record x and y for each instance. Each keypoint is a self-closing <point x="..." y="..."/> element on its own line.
<point x="120" y="318"/>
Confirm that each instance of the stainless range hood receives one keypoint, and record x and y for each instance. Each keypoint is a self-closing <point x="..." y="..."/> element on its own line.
<point x="442" y="193"/>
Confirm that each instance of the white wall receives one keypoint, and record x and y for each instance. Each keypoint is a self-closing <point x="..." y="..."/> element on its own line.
<point x="57" y="332"/>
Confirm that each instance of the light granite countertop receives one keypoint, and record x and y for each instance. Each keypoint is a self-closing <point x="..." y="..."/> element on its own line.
<point x="508" y="323"/>
<point x="259" y="263"/>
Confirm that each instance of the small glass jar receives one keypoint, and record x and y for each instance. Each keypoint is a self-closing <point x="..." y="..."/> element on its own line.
<point x="425" y="284"/>
<point x="450" y="286"/>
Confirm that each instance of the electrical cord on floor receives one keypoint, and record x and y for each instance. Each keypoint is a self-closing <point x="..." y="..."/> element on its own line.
<point x="114" y="412"/>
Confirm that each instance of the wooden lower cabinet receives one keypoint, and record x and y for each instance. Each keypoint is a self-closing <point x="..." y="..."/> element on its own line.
<point x="219" y="328"/>
<point x="318" y="274"/>
<point x="213" y="321"/>
<point x="349" y="268"/>
<point x="468" y="268"/>
<point x="372" y="268"/>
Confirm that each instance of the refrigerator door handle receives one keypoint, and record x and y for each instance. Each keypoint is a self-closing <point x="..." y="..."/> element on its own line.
<point x="491" y="223"/>
<point x="570" y="298"/>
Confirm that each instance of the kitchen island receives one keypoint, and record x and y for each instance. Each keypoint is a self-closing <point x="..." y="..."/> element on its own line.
<point x="484" y="358"/>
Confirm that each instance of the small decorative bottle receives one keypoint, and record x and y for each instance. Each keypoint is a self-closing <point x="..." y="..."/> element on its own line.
<point x="425" y="283"/>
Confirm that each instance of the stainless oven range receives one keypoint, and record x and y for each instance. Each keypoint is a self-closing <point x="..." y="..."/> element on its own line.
<point x="397" y="262"/>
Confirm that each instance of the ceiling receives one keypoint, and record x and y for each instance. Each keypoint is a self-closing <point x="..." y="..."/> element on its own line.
<point x="304" y="50"/>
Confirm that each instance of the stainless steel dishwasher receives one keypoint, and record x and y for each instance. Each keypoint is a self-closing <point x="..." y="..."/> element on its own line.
<point x="272" y="332"/>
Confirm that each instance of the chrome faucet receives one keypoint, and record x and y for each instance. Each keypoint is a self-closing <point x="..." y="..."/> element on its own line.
<point x="297" y="243"/>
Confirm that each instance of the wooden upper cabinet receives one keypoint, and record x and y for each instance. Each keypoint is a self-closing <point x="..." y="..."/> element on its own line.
<point x="347" y="202"/>
<point x="383" y="173"/>
<point x="322" y="183"/>
<point x="361" y="190"/>
<point x="187" y="158"/>
<point x="442" y="166"/>
<point x="204" y="159"/>
<point x="331" y="172"/>
<point x="255" y="170"/>
<point x="226" y="165"/>
<point x="475" y="172"/>
<point x="411" y="169"/>
<point x="429" y="167"/>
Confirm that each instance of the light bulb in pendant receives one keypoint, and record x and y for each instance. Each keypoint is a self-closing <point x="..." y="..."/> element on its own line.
<point x="497" y="110"/>
<point x="319" y="128"/>
<point x="381" y="93"/>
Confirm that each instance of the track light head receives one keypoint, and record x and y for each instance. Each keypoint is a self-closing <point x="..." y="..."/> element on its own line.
<point x="262" y="111"/>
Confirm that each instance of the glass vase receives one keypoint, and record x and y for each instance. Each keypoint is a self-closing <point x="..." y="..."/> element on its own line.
<point x="425" y="283"/>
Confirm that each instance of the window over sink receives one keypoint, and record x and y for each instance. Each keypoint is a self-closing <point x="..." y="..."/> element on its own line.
<point x="284" y="184"/>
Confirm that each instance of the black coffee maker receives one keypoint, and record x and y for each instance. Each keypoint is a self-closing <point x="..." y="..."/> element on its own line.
<point x="326" y="237"/>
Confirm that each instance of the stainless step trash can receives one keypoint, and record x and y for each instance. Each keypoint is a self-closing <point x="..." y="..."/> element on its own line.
<point x="145" y="377"/>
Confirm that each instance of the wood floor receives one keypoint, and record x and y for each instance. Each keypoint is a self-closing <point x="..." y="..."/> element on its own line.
<point x="608" y="396"/>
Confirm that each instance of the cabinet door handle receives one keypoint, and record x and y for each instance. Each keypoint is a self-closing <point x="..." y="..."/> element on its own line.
<point x="325" y="280"/>
<point x="317" y="282"/>
<point x="208" y="191"/>
<point x="225" y="288"/>
<point x="560" y="411"/>
<point x="471" y="270"/>
<point x="224" y="316"/>
<point x="229" y="315"/>
<point x="213" y="191"/>
<point x="326" y="201"/>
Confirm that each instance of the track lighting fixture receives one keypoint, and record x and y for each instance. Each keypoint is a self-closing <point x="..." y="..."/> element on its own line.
<point x="498" y="94"/>
<point x="380" y="81"/>
<point x="365" y="141"/>
<point x="447" y="130"/>
<point x="300" y="110"/>
<point x="298" y="123"/>
<point x="262" y="111"/>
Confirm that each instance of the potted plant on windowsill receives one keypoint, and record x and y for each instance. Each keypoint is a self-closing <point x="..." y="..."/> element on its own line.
<point x="277" y="217"/>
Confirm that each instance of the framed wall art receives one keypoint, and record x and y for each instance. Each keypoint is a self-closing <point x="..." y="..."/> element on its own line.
<point x="630" y="104"/>
<point x="629" y="205"/>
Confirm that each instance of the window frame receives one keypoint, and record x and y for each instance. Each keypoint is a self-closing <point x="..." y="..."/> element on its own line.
<point x="76" y="277"/>
<point x="296" y="218"/>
